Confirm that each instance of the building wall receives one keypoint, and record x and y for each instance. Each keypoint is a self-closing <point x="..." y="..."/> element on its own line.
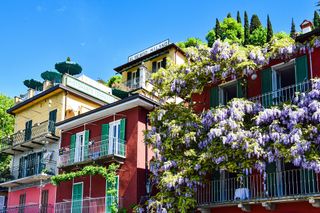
<point x="39" y="110"/>
<point x="76" y="105"/>
<point x="316" y="62"/>
<point x="32" y="195"/>
<point x="131" y="173"/>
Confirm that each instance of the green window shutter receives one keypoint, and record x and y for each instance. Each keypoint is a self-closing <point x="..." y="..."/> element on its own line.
<point x="154" y="66"/>
<point x="77" y="197"/>
<point x="28" y="130"/>
<point x="52" y="120"/>
<point x="214" y="97"/>
<point x="110" y="198"/>
<point x="164" y="62"/>
<point x="266" y="86"/>
<point x="104" y="140"/>
<point x="138" y="73"/>
<point x="122" y="137"/>
<point x="86" y="144"/>
<point x="72" y="148"/>
<point x="301" y="69"/>
<point x="239" y="89"/>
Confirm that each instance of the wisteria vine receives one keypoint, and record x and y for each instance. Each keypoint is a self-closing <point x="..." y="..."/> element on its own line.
<point x="238" y="137"/>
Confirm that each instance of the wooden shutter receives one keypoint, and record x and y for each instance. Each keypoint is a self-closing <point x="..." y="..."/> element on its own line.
<point x="72" y="147"/>
<point x="239" y="89"/>
<point x="154" y="66"/>
<point x="109" y="197"/>
<point x="86" y="144"/>
<point x="21" y="167"/>
<point x="104" y="140"/>
<point x="301" y="69"/>
<point x="52" y="120"/>
<point x="266" y="86"/>
<point x="44" y="201"/>
<point x="28" y="130"/>
<point x="122" y="137"/>
<point x="129" y="76"/>
<point x="164" y="62"/>
<point x="214" y="97"/>
<point x="77" y="197"/>
<point x="39" y="164"/>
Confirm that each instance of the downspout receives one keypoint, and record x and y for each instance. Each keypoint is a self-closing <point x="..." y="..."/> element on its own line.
<point x="146" y="157"/>
<point x="310" y="61"/>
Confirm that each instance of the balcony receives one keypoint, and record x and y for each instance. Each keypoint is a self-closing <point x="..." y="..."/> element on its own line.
<point x="137" y="82"/>
<point x="285" y="94"/>
<point x="108" y="149"/>
<point x="29" y="174"/>
<point x="29" y="139"/>
<point x="86" y="205"/>
<point x="297" y="184"/>
<point x="29" y="208"/>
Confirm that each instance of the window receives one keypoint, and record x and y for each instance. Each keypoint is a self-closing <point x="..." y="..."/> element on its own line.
<point x="283" y="75"/>
<point x="79" y="147"/>
<point x="28" y="130"/>
<point x="52" y="121"/>
<point x="114" y="134"/>
<point x="156" y="65"/>
<point x="133" y="79"/>
<point x="44" y="201"/>
<point x="22" y="202"/>
<point x="228" y="92"/>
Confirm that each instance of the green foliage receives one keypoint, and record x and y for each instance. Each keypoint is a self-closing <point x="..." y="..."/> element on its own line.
<point x="258" y="37"/>
<point x="316" y="19"/>
<point x="211" y="37"/>
<point x="246" y="29"/>
<point x="6" y="129"/>
<point x="293" y="31"/>
<point x="190" y="42"/>
<point x="238" y="17"/>
<point x="229" y="15"/>
<point x="51" y="76"/>
<point x="33" y="84"/>
<point x="254" y="23"/>
<point x="217" y="30"/>
<point x="110" y="174"/>
<point x="231" y="30"/>
<point x="115" y="81"/>
<point x="69" y="67"/>
<point x="269" y="29"/>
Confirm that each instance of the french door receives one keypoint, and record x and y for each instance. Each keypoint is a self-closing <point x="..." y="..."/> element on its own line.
<point x="114" y="135"/>
<point x="79" y="147"/>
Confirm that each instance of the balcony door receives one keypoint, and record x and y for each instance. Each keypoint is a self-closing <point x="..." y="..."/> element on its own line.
<point x="79" y="147"/>
<point x="114" y="135"/>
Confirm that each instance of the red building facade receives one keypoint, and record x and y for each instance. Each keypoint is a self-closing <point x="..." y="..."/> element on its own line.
<point x="286" y="188"/>
<point x="112" y="133"/>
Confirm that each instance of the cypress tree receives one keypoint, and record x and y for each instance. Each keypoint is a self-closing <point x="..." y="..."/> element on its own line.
<point x="246" y="28"/>
<point x="255" y="23"/>
<point x="229" y="15"/>
<point x="293" y="30"/>
<point x="218" y="29"/>
<point x="316" y="20"/>
<point x="269" y="29"/>
<point x="238" y="17"/>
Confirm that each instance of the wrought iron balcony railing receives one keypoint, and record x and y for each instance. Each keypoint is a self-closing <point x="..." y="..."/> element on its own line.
<point x="284" y="185"/>
<point x="46" y="128"/>
<point x="95" y="149"/>
<point x="100" y="204"/>
<point x="281" y="95"/>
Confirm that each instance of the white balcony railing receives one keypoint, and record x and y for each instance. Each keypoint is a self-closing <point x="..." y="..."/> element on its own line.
<point x="99" y="204"/>
<point x="281" y="95"/>
<point x="291" y="184"/>
<point x="95" y="149"/>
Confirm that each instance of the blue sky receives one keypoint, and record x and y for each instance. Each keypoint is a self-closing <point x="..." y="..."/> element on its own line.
<point x="100" y="35"/>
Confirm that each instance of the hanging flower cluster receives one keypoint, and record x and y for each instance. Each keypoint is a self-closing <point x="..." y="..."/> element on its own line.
<point x="238" y="137"/>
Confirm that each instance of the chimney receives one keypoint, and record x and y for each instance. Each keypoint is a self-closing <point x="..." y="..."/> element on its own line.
<point x="31" y="93"/>
<point x="46" y="85"/>
<point x="306" y="26"/>
<point x="17" y="100"/>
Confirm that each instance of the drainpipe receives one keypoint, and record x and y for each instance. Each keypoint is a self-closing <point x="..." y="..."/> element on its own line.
<point x="310" y="61"/>
<point x="146" y="158"/>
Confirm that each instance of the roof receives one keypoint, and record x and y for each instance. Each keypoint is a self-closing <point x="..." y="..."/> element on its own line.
<point x="50" y="90"/>
<point x="306" y="23"/>
<point x="306" y="36"/>
<point x="147" y="56"/>
<point x="115" y="106"/>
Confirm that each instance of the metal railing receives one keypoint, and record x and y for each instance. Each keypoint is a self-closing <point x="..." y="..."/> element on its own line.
<point x="101" y="204"/>
<point x="48" y="168"/>
<point x="136" y="83"/>
<point x="37" y="130"/>
<point x="96" y="148"/>
<point x="291" y="184"/>
<point x="29" y="208"/>
<point x="281" y="95"/>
